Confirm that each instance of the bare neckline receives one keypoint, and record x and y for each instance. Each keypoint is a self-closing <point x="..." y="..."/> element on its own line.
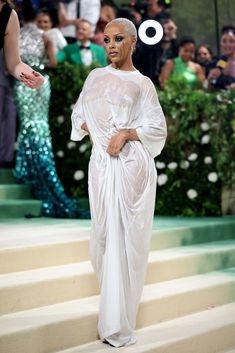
<point x="122" y="71"/>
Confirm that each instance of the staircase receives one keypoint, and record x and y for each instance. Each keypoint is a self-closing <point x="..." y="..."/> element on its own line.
<point x="49" y="293"/>
<point x="16" y="199"/>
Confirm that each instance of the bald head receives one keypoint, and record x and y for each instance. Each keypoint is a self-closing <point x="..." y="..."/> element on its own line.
<point x="128" y="26"/>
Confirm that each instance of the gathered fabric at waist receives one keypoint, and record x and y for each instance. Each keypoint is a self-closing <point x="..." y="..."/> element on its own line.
<point x="131" y="150"/>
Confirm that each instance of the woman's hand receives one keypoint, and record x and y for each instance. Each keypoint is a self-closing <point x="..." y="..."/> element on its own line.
<point x="13" y="61"/>
<point x="116" y="143"/>
<point x="33" y="79"/>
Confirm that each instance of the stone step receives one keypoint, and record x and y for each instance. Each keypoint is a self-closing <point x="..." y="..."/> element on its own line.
<point x="207" y="331"/>
<point x="20" y="208"/>
<point x="18" y="291"/>
<point x="6" y="176"/>
<point x="33" y="243"/>
<point x="56" y="327"/>
<point x="35" y="246"/>
<point x="15" y="191"/>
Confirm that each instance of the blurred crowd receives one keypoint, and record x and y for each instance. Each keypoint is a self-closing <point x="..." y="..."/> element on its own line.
<point x="72" y="31"/>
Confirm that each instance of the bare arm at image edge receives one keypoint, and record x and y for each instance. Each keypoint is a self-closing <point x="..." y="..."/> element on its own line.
<point x="13" y="61"/>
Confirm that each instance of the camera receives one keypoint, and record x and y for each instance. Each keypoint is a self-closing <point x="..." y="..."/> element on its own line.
<point x="126" y="10"/>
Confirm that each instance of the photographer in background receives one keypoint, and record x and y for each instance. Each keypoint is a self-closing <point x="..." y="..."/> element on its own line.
<point x="222" y="73"/>
<point x="146" y="58"/>
<point x="148" y="10"/>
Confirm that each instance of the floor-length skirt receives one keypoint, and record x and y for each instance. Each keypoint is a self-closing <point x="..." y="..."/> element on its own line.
<point x="122" y="197"/>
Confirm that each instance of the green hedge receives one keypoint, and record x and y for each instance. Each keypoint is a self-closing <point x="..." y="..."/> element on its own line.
<point x="197" y="161"/>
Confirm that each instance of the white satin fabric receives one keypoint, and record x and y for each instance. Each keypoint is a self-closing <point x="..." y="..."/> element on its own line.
<point x="121" y="190"/>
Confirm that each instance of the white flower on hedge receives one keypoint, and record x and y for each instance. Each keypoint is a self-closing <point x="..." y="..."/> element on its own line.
<point x="60" y="154"/>
<point x="192" y="157"/>
<point x="205" y="126"/>
<point x="160" y="165"/>
<point x="213" y="177"/>
<point x="205" y="139"/>
<point x="192" y="194"/>
<point x="71" y="145"/>
<point x="219" y="97"/>
<point x="79" y="175"/>
<point x="172" y="165"/>
<point x="208" y="160"/>
<point x="60" y="119"/>
<point x="162" y="179"/>
<point x="184" y="164"/>
<point x="174" y="114"/>
<point x="83" y="148"/>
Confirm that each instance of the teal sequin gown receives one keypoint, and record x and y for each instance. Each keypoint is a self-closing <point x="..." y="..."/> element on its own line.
<point x="35" y="164"/>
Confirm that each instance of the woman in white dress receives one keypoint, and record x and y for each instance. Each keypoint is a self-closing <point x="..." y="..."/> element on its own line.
<point x="119" y="108"/>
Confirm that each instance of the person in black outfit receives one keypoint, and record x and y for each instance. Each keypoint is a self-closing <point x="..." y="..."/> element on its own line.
<point x="147" y="57"/>
<point x="7" y="118"/>
<point x="9" y="50"/>
<point x="9" y="42"/>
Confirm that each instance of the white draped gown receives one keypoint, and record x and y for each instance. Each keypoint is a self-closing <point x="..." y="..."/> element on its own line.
<point x="121" y="190"/>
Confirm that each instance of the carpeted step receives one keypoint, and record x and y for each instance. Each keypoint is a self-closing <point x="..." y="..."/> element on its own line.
<point x="15" y="191"/>
<point x="60" y="326"/>
<point x="73" y="281"/>
<point x="207" y="331"/>
<point x="6" y="176"/>
<point x="20" y="208"/>
<point x="35" y="243"/>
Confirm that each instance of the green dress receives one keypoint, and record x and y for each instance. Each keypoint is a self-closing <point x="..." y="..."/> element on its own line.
<point x="181" y="69"/>
<point x="35" y="163"/>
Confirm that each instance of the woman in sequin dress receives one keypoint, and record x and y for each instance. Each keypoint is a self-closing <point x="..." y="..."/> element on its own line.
<point x="35" y="164"/>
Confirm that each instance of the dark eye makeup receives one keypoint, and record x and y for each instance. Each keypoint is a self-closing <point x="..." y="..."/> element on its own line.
<point x="118" y="39"/>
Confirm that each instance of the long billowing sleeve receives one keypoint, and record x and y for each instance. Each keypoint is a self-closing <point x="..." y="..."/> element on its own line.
<point x="152" y="130"/>
<point x="78" y="119"/>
